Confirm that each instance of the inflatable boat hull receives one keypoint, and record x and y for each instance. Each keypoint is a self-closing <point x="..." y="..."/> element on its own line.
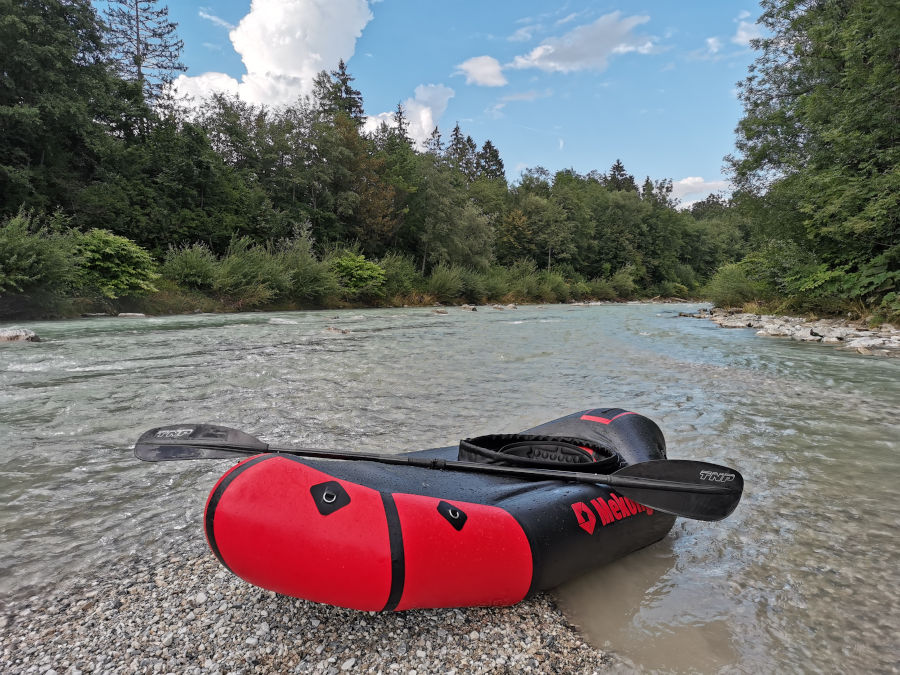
<point x="376" y="537"/>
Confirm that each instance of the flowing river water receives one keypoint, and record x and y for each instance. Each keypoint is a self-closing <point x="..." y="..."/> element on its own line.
<point x="803" y="576"/>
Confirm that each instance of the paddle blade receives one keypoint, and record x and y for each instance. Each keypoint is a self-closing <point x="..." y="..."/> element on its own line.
<point x="720" y="487"/>
<point x="195" y="441"/>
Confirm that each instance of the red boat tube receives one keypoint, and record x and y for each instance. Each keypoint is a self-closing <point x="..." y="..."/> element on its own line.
<point x="377" y="537"/>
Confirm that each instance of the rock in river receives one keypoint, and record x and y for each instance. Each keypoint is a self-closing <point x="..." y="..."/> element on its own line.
<point x="18" y="335"/>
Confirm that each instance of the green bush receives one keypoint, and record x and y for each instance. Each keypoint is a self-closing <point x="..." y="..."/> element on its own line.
<point x="191" y="266"/>
<point x="580" y="290"/>
<point x="445" y="283"/>
<point x="310" y="281"/>
<point x="359" y="278"/>
<point x="400" y="275"/>
<point x="552" y="287"/>
<point x="730" y="286"/>
<point x="34" y="257"/>
<point x="523" y="281"/>
<point x="672" y="289"/>
<point x="249" y="275"/>
<point x="114" y="266"/>
<point x="474" y="287"/>
<point x="782" y="267"/>
<point x="686" y="276"/>
<point x="622" y="282"/>
<point x="601" y="289"/>
<point x="495" y="283"/>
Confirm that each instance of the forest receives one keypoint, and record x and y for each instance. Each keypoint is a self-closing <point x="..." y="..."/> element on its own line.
<point x="117" y="196"/>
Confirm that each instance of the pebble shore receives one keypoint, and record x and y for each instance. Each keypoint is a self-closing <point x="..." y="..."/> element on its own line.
<point x="841" y="333"/>
<point x="186" y="614"/>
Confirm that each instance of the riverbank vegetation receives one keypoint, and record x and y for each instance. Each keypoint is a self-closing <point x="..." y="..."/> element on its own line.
<point x="115" y="196"/>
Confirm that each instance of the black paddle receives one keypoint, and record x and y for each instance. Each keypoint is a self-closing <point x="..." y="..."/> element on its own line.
<point x="681" y="487"/>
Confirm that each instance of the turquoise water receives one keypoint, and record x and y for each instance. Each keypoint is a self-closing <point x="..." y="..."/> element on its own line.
<point x="800" y="577"/>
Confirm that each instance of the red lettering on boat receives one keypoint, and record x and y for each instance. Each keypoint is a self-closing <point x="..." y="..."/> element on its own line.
<point x="609" y="510"/>
<point x="606" y="516"/>
<point x="586" y="518"/>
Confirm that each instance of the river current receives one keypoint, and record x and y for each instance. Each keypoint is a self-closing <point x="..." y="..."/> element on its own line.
<point x="802" y="577"/>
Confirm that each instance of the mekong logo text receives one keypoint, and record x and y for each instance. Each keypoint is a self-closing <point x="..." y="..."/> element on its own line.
<point x="607" y="510"/>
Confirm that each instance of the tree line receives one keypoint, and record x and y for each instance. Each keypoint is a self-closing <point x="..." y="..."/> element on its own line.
<point x="91" y="140"/>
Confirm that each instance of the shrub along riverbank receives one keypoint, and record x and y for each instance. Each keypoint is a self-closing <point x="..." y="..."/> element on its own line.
<point x="48" y="270"/>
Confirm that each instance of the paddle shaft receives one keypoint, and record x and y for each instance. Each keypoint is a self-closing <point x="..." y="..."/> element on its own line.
<point x="454" y="465"/>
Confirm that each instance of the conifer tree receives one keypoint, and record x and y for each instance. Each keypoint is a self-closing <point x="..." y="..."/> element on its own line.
<point x="350" y="100"/>
<point x="619" y="179"/>
<point x="434" y="145"/>
<point x="470" y="162"/>
<point x="489" y="164"/>
<point x="647" y="189"/>
<point x="144" y="44"/>
<point x="456" y="150"/>
<point x="401" y="125"/>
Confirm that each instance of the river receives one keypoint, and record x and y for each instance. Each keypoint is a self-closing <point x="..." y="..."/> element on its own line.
<point x="801" y="577"/>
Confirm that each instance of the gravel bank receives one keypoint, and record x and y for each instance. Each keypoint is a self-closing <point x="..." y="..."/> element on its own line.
<point x="841" y="333"/>
<point x="187" y="614"/>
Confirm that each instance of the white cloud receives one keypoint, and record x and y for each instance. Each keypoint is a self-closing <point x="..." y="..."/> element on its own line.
<point x="589" y="46"/>
<point x="713" y="45"/>
<point x="562" y="143"/>
<point x="201" y="86"/>
<point x="424" y="112"/>
<point x="523" y="34"/>
<point x="220" y="22"/>
<point x="697" y="188"/>
<point x="283" y="44"/>
<point x="496" y="109"/>
<point x="484" y="71"/>
<point x="746" y="30"/>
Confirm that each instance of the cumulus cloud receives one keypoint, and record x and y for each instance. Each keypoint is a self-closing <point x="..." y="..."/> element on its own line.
<point x="713" y="45"/>
<point x="201" y="86"/>
<point x="283" y="44"/>
<point x="588" y="47"/>
<point x="484" y="71"/>
<point x="695" y="188"/>
<point x="423" y="111"/>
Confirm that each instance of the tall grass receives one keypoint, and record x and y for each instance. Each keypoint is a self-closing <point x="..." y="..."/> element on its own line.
<point x="35" y="257"/>
<point x="192" y="267"/>
<point x="732" y="287"/>
<point x="401" y="277"/>
<point x="249" y="275"/>
<point x="445" y="283"/>
<point x="39" y="258"/>
<point x="310" y="281"/>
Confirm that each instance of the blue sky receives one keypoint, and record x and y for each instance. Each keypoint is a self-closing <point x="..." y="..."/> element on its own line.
<point x="569" y="84"/>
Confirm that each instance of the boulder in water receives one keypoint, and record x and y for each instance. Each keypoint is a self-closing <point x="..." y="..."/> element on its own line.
<point x="18" y="335"/>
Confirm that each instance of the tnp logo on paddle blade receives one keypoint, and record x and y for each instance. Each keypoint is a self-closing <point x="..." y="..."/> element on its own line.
<point x="586" y="518"/>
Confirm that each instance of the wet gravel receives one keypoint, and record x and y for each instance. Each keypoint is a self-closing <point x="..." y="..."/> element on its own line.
<point x="185" y="613"/>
